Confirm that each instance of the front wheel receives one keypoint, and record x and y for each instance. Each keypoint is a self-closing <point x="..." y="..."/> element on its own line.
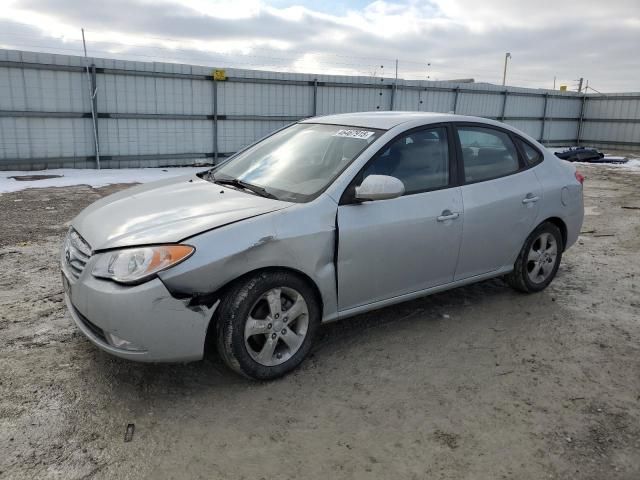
<point x="266" y="324"/>
<point x="538" y="261"/>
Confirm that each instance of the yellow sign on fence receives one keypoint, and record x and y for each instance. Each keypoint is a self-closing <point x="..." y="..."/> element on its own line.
<point x="219" y="75"/>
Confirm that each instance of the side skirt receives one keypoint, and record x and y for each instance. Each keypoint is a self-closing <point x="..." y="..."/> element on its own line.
<point x="420" y="293"/>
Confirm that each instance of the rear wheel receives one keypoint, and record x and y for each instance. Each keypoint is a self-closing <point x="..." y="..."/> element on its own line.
<point x="538" y="260"/>
<point x="267" y="323"/>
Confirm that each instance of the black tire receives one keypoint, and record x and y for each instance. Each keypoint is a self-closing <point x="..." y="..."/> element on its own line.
<point x="519" y="278"/>
<point x="233" y="314"/>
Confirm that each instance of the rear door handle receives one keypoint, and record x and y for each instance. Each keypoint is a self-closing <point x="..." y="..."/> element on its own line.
<point x="530" y="198"/>
<point x="448" y="215"/>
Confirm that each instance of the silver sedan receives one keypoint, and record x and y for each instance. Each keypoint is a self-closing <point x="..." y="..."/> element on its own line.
<point x="324" y="219"/>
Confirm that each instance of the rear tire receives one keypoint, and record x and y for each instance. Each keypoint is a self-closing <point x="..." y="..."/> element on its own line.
<point x="538" y="261"/>
<point x="267" y="324"/>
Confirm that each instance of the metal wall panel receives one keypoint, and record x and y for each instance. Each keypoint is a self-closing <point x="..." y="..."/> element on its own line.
<point x="25" y="138"/>
<point x="264" y="99"/>
<point x="520" y="106"/>
<point x="424" y="101"/>
<point x="532" y="128"/>
<point x="153" y="95"/>
<point x="560" y="130"/>
<point x="159" y="137"/>
<point x="149" y="112"/>
<point x="559" y="107"/>
<point x="481" y="105"/>
<point x="348" y="99"/>
<point x="235" y="134"/>
<point x="611" y="132"/>
<point x="42" y="90"/>
<point x="616" y="108"/>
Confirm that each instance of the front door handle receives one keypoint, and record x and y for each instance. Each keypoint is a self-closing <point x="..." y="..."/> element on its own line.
<point x="530" y="198"/>
<point x="448" y="215"/>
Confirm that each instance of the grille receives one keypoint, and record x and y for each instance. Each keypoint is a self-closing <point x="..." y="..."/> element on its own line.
<point x="77" y="252"/>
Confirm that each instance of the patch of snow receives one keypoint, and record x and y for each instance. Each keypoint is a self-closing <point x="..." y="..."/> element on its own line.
<point x="91" y="177"/>
<point x="633" y="164"/>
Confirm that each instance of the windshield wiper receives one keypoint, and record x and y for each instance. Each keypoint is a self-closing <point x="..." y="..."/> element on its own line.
<point x="235" y="182"/>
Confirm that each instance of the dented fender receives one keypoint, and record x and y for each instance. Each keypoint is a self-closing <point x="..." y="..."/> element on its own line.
<point x="300" y="238"/>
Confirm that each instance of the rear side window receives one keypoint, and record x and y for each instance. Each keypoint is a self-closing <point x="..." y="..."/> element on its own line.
<point x="531" y="155"/>
<point x="487" y="153"/>
<point x="419" y="159"/>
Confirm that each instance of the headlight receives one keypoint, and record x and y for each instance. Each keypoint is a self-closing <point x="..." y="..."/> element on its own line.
<point x="134" y="265"/>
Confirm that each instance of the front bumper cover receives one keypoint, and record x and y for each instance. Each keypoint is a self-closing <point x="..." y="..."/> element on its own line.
<point x="161" y="327"/>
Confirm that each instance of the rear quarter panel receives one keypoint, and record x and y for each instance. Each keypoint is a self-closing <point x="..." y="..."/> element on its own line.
<point x="562" y="194"/>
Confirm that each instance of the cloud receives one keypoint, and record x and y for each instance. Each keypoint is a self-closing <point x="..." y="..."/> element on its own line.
<point x="459" y="38"/>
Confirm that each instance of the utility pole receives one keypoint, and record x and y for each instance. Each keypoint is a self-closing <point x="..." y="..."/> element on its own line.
<point x="507" y="56"/>
<point x="580" y="84"/>
<point x="381" y="80"/>
<point x="394" y="90"/>
<point x="554" y="82"/>
<point x="93" y="90"/>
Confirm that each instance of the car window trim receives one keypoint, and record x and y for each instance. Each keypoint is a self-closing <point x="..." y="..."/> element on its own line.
<point x="524" y="156"/>
<point x="347" y="197"/>
<point x="522" y="163"/>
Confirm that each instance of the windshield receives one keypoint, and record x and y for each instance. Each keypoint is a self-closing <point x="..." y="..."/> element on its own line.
<point x="299" y="162"/>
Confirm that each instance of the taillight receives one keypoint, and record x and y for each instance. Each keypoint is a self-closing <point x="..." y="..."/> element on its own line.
<point x="579" y="177"/>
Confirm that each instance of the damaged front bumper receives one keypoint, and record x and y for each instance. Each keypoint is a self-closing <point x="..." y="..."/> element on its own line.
<point x="143" y="322"/>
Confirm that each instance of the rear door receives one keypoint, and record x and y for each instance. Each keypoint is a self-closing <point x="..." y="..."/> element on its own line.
<point x="500" y="195"/>
<point x="388" y="248"/>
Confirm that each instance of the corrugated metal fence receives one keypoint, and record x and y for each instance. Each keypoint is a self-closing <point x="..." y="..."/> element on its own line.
<point x="161" y="114"/>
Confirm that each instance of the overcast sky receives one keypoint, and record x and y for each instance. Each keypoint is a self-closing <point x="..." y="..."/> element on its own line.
<point x="597" y="40"/>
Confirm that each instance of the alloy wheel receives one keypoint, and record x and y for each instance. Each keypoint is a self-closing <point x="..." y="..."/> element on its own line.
<point x="276" y="326"/>
<point x="542" y="257"/>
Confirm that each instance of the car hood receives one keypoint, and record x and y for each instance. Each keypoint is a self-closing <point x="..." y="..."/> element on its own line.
<point x="167" y="211"/>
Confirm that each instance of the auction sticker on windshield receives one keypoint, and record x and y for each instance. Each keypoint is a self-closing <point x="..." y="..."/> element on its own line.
<point x="350" y="133"/>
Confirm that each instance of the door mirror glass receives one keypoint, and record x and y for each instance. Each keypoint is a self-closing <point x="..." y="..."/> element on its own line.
<point x="379" y="187"/>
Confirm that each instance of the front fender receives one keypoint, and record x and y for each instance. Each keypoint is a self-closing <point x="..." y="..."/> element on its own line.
<point x="300" y="238"/>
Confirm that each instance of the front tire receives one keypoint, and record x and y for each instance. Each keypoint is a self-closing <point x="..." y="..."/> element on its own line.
<point x="267" y="324"/>
<point x="538" y="261"/>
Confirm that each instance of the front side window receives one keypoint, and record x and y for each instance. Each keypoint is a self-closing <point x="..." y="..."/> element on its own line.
<point x="487" y="153"/>
<point x="297" y="163"/>
<point x="419" y="159"/>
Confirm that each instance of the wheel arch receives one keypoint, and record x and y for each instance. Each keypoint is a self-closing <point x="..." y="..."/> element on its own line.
<point x="562" y="226"/>
<point x="220" y="292"/>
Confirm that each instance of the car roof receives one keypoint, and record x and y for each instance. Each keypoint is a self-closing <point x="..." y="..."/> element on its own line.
<point x="388" y="120"/>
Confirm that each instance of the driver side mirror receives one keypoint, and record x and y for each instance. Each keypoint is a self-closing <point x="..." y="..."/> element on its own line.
<point x="379" y="187"/>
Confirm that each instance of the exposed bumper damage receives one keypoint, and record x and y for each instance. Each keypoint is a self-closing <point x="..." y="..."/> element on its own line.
<point x="143" y="323"/>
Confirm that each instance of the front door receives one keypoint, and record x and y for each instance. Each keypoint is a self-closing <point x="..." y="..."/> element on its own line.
<point x="393" y="247"/>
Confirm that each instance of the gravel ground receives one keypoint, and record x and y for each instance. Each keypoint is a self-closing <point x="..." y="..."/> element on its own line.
<point x="479" y="383"/>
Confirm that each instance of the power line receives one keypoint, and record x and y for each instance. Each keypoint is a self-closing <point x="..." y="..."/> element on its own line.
<point x="368" y="61"/>
<point x="261" y="62"/>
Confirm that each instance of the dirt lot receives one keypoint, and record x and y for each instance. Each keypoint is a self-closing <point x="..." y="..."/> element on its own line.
<point x="477" y="383"/>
